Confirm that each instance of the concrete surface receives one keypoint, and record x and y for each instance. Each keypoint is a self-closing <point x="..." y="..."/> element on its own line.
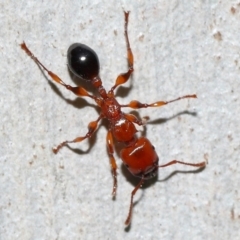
<point x="180" y="47"/>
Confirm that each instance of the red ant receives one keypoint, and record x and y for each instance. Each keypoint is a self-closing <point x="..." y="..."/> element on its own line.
<point x="138" y="155"/>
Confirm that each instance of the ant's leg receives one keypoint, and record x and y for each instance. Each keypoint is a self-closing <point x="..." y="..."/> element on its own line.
<point x="112" y="161"/>
<point x="136" y="104"/>
<point x="200" y="165"/>
<point x="79" y="91"/>
<point x="128" y="220"/>
<point x="92" y="126"/>
<point x="123" y="77"/>
<point x="134" y="119"/>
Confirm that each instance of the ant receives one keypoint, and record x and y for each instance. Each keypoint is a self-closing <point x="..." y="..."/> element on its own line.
<point x="138" y="154"/>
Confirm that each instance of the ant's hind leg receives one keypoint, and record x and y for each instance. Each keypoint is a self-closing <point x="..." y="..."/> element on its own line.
<point x="79" y="91"/>
<point x="123" y="77"/>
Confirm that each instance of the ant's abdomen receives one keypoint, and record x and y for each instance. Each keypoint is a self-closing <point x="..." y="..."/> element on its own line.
<point x="141" y="158"/>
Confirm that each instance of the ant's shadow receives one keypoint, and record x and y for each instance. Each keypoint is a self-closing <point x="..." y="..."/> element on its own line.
<point x="148" y="183"/>
<point x="143" y="133"/>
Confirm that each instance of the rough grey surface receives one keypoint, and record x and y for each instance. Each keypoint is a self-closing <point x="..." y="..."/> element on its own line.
<point x="180" y="47"/>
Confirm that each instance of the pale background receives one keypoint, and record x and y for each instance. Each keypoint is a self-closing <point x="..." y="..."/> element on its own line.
<point x="180" y="47"/>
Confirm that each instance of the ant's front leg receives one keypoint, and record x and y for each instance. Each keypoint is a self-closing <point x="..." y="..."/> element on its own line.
<point x="136" y="104"/>
<point x="92" y="126"/>
<point x="112" y="161"/>
<point x="199" y="165"/>
<point x="128" y="220"/>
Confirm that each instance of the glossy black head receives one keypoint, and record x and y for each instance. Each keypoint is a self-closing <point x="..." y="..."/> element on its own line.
<point x="83" y="61"/>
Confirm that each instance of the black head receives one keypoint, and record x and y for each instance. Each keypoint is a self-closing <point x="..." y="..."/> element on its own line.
<point x="83" y="61"/>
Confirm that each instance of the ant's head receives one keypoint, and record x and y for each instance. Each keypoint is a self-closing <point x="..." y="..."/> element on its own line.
<point x="83" y="61"/>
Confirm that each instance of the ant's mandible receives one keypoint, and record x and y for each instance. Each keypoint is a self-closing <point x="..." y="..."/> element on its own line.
<point x="138" y="154"/>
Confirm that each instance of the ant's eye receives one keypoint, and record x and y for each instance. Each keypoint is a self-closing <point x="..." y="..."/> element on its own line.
<point x="83" y="61"/>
